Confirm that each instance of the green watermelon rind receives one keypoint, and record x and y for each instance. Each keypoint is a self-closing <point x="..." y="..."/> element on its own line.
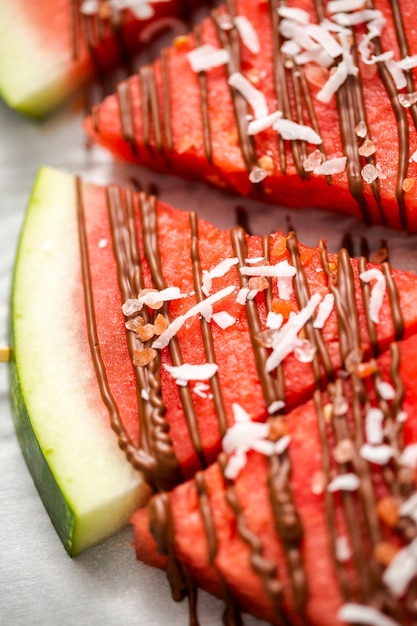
<point x="84" y="480"/>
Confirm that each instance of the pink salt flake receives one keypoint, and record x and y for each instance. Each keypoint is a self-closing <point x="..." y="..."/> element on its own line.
<point x="407" y="99"/>
<point x="257" y="174"/>
<point x="361" y="129"/>
<point x="369" y="173"/>
<point x="313" y="161"/>
<point x="367" y="148"/>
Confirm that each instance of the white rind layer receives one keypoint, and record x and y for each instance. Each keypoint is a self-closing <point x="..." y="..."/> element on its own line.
<point x="98" y="486"/>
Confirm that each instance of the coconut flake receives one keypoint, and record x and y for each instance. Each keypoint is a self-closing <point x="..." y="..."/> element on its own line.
<point x="279" y="270"/>
<point x="377" y="292"/>
<point x="291" y="13"/>
<point x="255" y="259"/>
<point x="260" y="124"/>
<point x="408" y="63"/>
<point x="192" y="372"/>
<point x="257" y="174"/>
<point x="408" y="456"/>
<point x="253" y="96"/>
<point x="332" y="166"/>
<point x="206" y="283"/>
<point x="290" y="48"/>
<point x="344" y="482"/>
<point x="337" y="6"/>
<point x="291" y="130"/>
<point x="409" y="507"/>
<point x="325" y="39"/>
<point x="380" y="455"/>
<point x="207" y="57"/>
<point x="89" y="7"/>
<point x="247" y="33"/>
<point x="316" y="55"/>
<point x="373" y="426"/>
<point x="353" y="613"/>
<point x="324" y="310"/>
<point x="359" y="17"/>
<point x="385" y="390"/>
<point x="201" y="389"/>
<point x="165" y="295"/>
<point x="200" y="308"/>
<point x="414" y="156"/>
<point x="282" y="444"/>
<point x="286" y="338"/>
<point x="343" y="550"/>
<point x="304" y="351"/>
<point x="103" y="243"/>
<point x="396" y="73"/>
<point x="333" y="83"/>
<point x="285" y="287"/>
<point x="242" y="295"/>
<point x="401" y="570"/>
<point x="223" y="319"/>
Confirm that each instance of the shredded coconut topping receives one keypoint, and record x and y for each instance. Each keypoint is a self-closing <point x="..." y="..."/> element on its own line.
<point x="353" y="613"/>
<point x="281" y="269"/>
<point x="344" y="482"/>
<point x="324" y="310"/>
<point x="262" y="123"/>
<point x="247" y="33"/>
<point x="207" y="57"/>
<point x="401" y="570"/>
<point x="197" y="309"/>
<point x="373" y="426"/>
<point x="408" y="456"/>
<point x="377" y="292"/>
<point x="291" y="130"/>
<point x="253" y="96"/>
<point x="186" y="372"/>
<point x="377" y="454"/>
<point x="223" y="319"/>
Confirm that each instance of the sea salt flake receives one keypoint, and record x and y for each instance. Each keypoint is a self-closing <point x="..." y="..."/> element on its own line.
<point x="344" y="482"/>
<point x="207" y="57"/>
<point x="401" y="570"/>
<point x="131" y="306"/>
<point x="223" y="319"/>
<point x="369" y="173"/>
<point x="353" y="613"/>
<point x="367" y="148"/>
<point x="331" y="166"/>
<point x="361" y="129"/>
<point x="407" y="99"/>
<point x="380" y="172"/>
<point x="257" y="174"/>
<point x="377" y="454"/>
<point x="304" y="351"/>
<point x="313" y="161"/>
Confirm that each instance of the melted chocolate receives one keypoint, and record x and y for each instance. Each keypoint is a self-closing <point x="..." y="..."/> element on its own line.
<point x="344" y="391"/>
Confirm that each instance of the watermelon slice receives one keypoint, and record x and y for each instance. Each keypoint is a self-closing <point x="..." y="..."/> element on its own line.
<point x="49" y="50"/>
<point x="149" y="311"/>
<point x="311" y="107"/>
<point x="312" y="524"/>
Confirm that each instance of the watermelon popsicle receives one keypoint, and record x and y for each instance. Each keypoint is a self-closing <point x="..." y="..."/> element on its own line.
<point x="313" y="116"/>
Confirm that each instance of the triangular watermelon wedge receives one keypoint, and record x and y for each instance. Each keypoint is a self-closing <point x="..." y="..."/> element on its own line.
<point x="332" y="107"/>
<point x="159" y="326"/>
<point x="49" y="50"/>
<point x="317" y="528"/>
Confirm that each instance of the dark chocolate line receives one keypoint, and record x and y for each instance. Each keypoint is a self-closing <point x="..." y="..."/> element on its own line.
<point x="167" y="99"/>
<point x="151" y="246"/>
<point x="203" y="87"/>
<point x="150" y="107"/>
<point x="206" y="328"/>
<point x="126" y="114"/>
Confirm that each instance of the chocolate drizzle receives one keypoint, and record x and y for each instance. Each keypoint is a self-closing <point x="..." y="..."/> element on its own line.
<point x="342" y="399"/>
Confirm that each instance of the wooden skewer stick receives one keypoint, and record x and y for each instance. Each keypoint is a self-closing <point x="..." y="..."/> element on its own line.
<point x="5" y="354"/>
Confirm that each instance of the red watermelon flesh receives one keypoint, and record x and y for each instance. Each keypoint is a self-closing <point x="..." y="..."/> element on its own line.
<point x="172" y="135"/>
<point x="213" y="528"/>
<point x="240" y="353"/>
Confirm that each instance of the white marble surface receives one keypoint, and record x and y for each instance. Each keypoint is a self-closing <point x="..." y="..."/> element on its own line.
<point x="39" y="584"/>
